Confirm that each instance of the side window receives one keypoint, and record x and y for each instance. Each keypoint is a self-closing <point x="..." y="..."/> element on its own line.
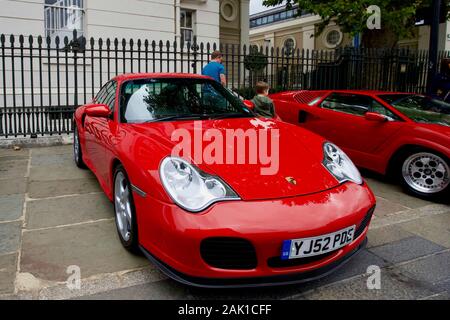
<point x="107" y="94"/>
<point x="110" y="97"/>
<point x="355" y="104"/>
<point x="99" y="98"/>
<point x="379" y="108"/>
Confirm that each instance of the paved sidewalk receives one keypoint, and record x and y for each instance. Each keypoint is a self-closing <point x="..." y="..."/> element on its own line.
<point x="54" y="215"/>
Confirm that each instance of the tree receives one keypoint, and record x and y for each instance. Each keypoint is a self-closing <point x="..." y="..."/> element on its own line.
<point x="397" y="17"/>
<point x="255" y="62"/>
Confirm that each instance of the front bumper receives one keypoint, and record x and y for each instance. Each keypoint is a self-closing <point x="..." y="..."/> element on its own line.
<point x="172" y="238"/>
<point x="279" y="280"/>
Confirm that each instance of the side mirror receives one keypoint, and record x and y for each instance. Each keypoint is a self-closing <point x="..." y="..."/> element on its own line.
<point x="373" y="116"/>
<point x="249" y="104"/>
<point x="98" y="110"/>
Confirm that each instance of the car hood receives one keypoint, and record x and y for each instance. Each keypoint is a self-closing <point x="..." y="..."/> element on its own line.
<point x="295" y="170"/>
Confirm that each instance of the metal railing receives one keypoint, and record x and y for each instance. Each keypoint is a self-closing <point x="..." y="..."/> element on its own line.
<point x="43" y="80"/>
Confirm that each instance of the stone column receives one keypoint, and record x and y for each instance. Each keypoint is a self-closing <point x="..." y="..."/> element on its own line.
<point x="245" y="21"/>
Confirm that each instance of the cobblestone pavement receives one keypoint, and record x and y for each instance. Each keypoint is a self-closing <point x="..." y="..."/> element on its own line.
<point x="54" y="215"/>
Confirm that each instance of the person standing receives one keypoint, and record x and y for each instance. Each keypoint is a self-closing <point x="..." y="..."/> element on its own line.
<point x="215" y="68"/>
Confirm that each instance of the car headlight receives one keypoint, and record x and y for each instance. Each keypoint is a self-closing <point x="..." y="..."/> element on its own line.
<point x="191" y="188"/>
<point x="339" y="164"/>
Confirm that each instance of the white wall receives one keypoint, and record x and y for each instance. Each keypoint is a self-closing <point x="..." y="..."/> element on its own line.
<point x="136" y="19"/>
<point x="22" y="17"/>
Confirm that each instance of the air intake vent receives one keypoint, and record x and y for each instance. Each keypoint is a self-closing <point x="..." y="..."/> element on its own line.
<point x="305" y="96"/>
<point x="364" y="223"/>
<point x="228" y="253"/>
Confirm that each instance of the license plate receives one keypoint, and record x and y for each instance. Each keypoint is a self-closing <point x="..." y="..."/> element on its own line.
<point x="306" y="247"/>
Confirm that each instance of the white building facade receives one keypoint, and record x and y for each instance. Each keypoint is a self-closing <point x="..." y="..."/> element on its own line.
<point x="166" y="20"/>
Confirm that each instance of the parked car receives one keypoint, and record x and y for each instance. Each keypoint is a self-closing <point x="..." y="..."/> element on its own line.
<point x="219" y="224"/>
<point x="404" y="135"/>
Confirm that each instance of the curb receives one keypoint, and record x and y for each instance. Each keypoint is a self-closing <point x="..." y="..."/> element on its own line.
<point x="42" y="141"/>
<point x="49" y="290"/>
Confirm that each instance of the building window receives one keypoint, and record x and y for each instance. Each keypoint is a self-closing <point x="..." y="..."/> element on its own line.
<point x="186" y="25"/>
<point x="275" y="17"/>
<point x="289" y="46"/>
<point x="62" y="17"/>
<point x="333" y="38"/>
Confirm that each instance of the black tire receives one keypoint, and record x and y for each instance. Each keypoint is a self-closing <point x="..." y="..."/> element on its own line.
<point x="131" y="243"/>
<point x="430" y="174"/>
<point x="77" y="152"/>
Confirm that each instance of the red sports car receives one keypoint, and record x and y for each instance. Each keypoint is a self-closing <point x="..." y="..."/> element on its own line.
<point x="219" y="223"/>
<point x="404" y="135"/>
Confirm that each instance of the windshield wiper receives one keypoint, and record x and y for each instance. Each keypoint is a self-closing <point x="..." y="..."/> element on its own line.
<point x="179" y="117"/>
<point x="229" y="115"/>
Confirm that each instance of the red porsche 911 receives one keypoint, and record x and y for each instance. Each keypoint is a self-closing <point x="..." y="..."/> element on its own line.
<point x="403" y="135"/>
<point x="210" y="213"/>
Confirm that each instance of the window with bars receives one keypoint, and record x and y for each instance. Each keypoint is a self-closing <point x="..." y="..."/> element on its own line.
<point x="187" y="25"/>
<point x="62" y="17"/>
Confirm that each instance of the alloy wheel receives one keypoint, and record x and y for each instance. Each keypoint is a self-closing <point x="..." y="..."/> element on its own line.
<point x="426" y="172"/>
<point x="76" y="146"/>
<point x="122" y="206"/>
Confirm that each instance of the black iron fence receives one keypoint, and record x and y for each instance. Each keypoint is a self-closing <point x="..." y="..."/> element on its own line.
<point x="43" y="80"/>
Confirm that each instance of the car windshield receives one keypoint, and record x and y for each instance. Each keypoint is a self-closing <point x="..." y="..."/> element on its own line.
<point x="420" y="108"/>
<point x="164" y="99"/>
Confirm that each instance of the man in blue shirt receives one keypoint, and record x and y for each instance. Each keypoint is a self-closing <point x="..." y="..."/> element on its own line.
<point x="215" y="69"/>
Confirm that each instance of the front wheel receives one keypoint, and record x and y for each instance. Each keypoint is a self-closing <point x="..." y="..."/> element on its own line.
<point x="425" y="174"/>
<point x="77" y="154"/>
<point x="124" y="210"/>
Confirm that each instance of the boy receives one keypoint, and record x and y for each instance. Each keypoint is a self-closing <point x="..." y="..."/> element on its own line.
<point x="263" y="104"/>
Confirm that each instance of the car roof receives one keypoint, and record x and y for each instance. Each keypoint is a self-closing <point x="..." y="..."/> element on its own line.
<point x="131" y="76"/>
